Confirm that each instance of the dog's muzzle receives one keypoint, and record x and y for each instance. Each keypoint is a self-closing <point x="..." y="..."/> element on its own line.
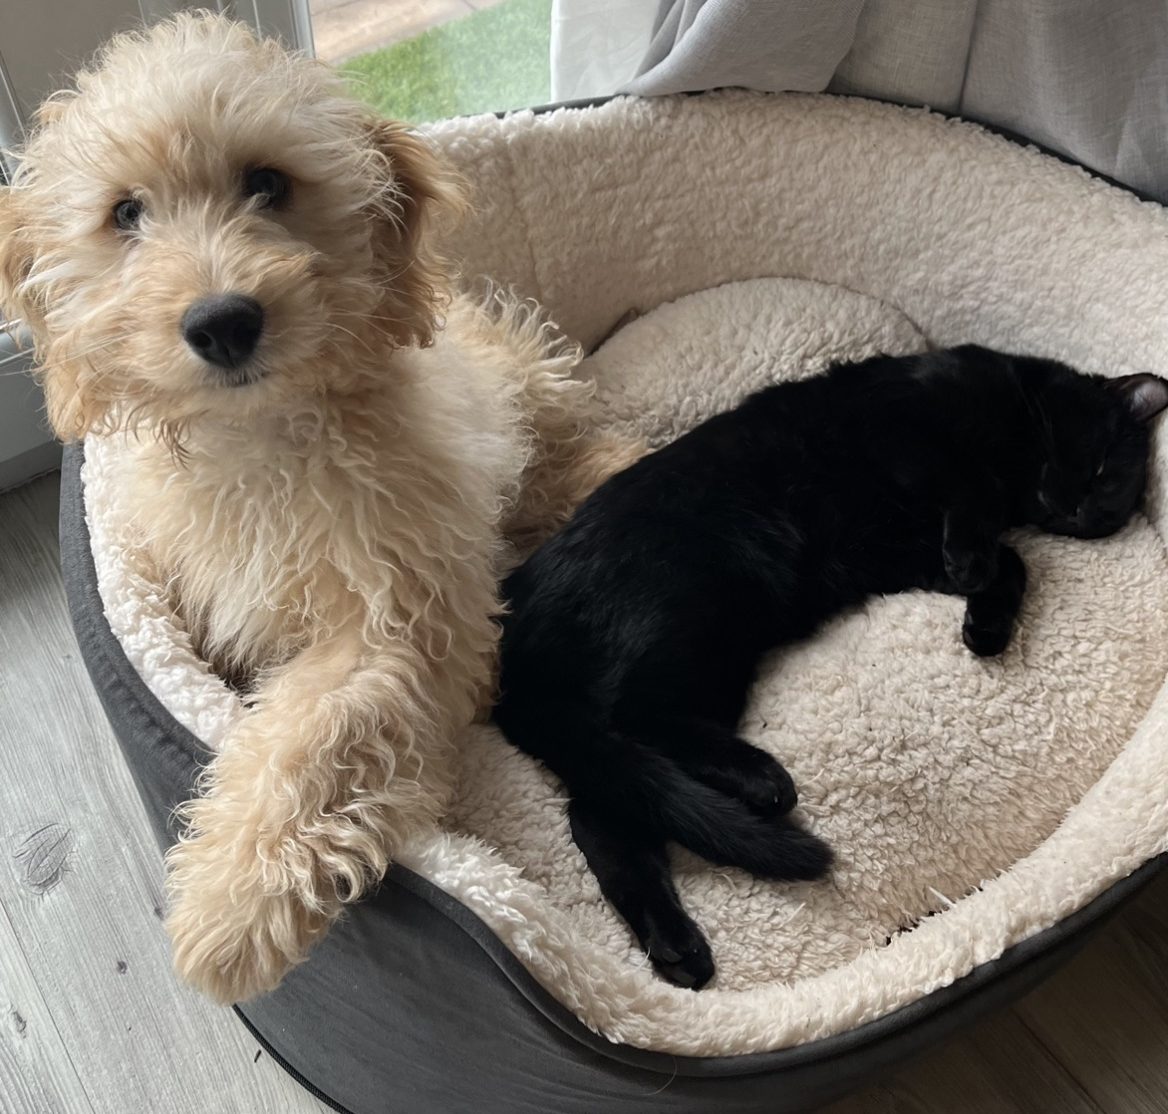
<point x="224" y="329"/>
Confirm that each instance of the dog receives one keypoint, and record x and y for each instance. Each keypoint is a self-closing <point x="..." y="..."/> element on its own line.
<point x="232" y="266"/>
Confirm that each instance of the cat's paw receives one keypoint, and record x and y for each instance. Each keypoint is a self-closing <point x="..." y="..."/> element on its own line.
<point x="768" y="788"/>
<point x="680" y="954"/>
<point x="986" y="639"/>
<point x="752" y="776"/>
<point x="970" y="571"/>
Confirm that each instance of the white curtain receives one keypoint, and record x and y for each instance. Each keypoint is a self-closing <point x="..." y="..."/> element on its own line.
<point x="597" y="45"/>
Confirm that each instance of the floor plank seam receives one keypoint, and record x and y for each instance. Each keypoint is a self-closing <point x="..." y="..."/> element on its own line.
<point x="1066" y="1070"/>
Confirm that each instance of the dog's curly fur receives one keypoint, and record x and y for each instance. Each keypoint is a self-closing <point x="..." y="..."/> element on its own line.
<point x="331" y="528"/>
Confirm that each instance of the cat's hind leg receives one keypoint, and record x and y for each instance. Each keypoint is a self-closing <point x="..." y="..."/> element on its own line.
<point x="633" y="870"/>
<point x="969" y="547"/>
<point x="990" y="612"/>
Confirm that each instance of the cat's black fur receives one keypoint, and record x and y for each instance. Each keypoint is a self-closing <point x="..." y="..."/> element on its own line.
<point x="634" y="634"/>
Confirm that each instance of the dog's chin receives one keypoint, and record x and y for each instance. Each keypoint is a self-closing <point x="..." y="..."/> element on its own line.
<point x="234" y="378"/>
<point x="222" y="397"/>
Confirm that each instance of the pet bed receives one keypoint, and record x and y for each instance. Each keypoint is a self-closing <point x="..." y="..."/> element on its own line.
<point x="986" y="813"/>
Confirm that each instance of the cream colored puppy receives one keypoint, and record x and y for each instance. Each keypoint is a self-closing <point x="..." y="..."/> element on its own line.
<point x="228" y="263"/>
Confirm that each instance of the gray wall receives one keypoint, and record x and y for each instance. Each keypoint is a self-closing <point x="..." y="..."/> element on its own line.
<point x="26" y="448"/>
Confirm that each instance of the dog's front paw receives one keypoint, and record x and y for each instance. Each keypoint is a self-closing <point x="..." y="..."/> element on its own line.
<point x="234" y="932"/>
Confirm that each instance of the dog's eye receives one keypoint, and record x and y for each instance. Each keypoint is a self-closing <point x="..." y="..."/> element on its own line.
<point x="270" y="187"/>
<point x="127" y="214"/>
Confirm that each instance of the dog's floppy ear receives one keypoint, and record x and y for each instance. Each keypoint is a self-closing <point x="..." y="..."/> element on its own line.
<point x="16" y="258"/>
<point x="417" y="195"/>
<point x="73" y="405"/>
<point x="17" y="244"/>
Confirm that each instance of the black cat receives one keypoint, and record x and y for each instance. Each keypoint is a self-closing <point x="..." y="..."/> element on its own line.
<point x="634" y="634"/>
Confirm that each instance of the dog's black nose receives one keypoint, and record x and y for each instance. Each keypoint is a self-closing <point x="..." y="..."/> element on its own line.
<point x="223" y="328"/>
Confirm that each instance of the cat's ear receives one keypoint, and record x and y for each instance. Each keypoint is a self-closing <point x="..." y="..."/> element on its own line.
<point x="1145" y="395"/>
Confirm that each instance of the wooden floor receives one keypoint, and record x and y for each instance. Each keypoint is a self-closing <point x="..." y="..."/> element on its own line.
<point x="91" y="1019"/>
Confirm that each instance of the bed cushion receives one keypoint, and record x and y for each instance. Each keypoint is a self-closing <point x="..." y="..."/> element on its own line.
<point x="980" y="809"/>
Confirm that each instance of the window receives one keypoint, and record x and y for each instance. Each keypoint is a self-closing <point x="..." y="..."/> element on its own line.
<point x="421" y="60"/>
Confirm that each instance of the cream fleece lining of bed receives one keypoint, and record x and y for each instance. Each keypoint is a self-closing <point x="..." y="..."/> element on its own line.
<point x="998" y="796"/>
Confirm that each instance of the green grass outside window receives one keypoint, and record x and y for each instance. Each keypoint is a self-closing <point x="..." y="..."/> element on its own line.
<point x="491" y="60"/>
